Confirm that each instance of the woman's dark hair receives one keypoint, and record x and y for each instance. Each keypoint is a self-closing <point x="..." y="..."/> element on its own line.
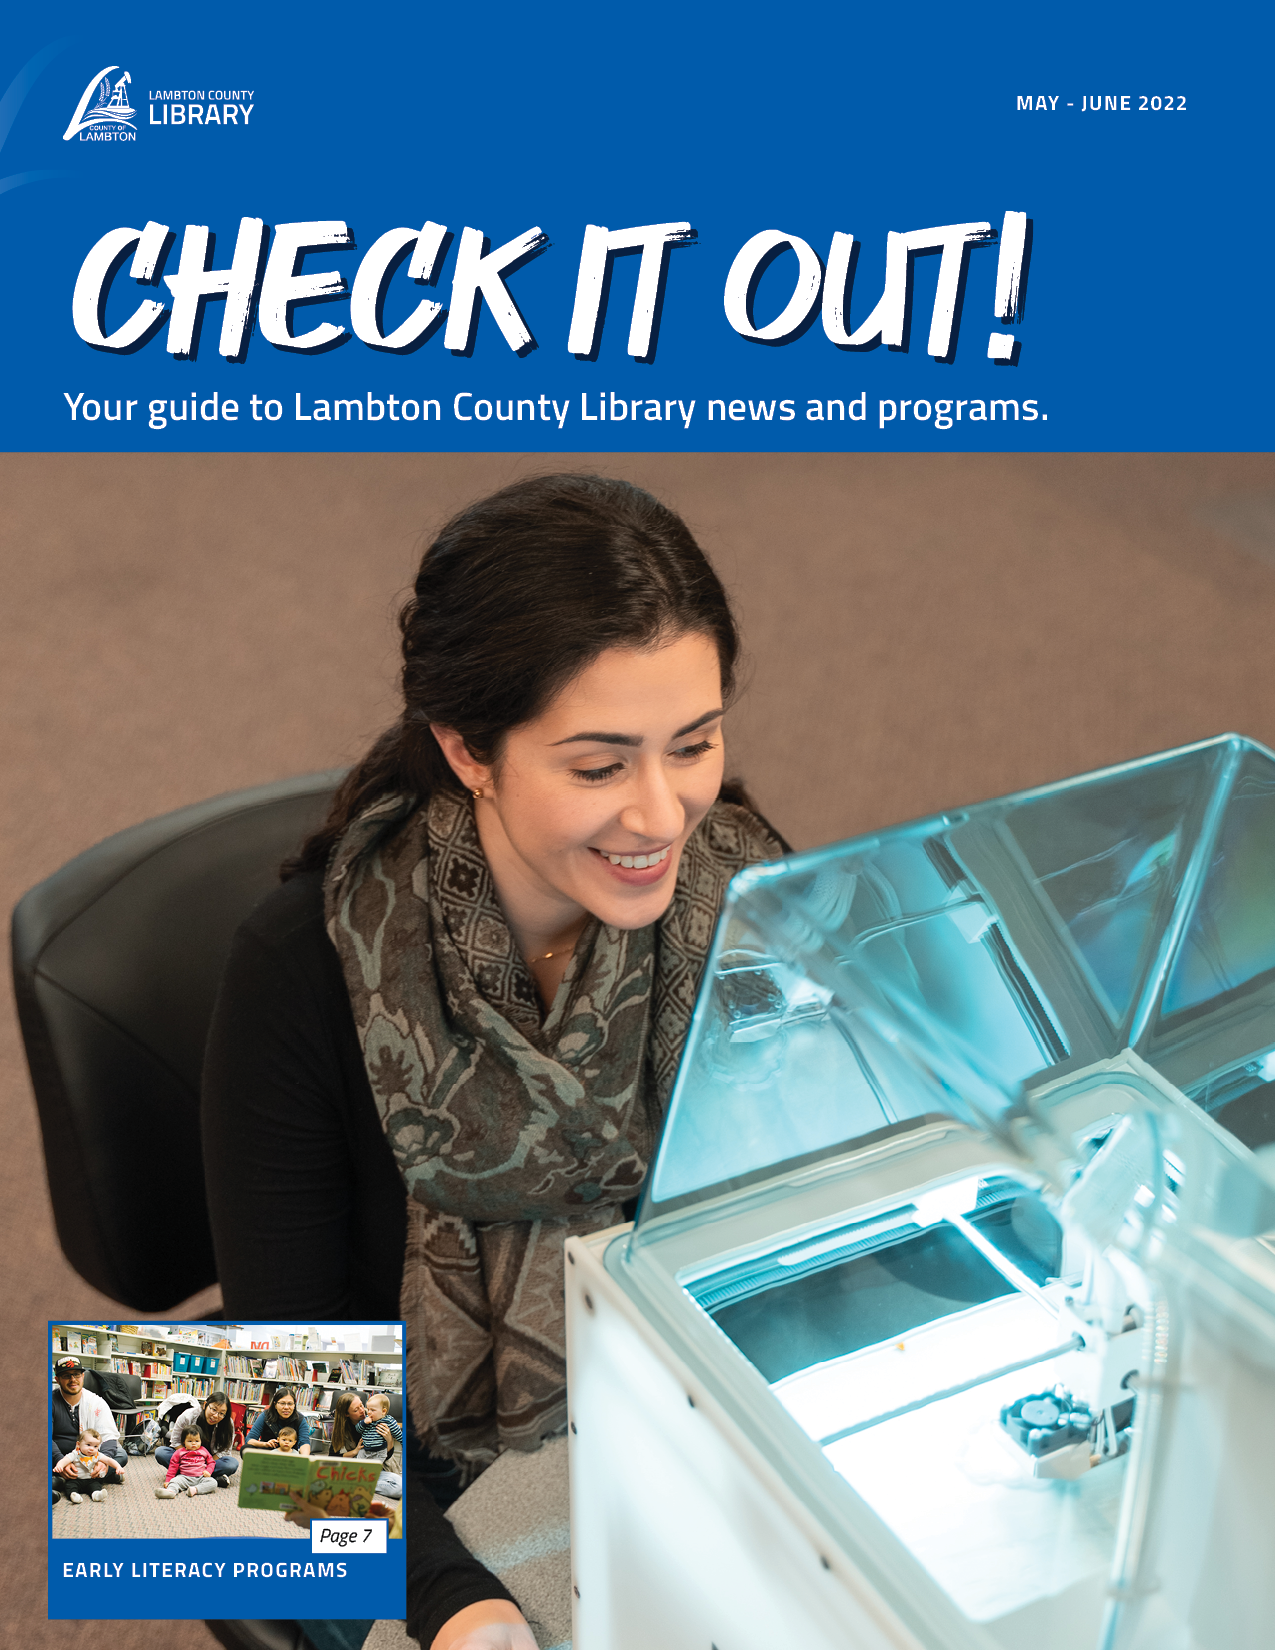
<point x="272" y="1420"/>
<point x="221" y="1437"/>
<point x="515" y="597"/>
<point x="345" y="1434"/>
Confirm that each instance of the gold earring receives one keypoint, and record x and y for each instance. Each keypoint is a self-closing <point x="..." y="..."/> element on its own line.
<point x="477" y="793"/>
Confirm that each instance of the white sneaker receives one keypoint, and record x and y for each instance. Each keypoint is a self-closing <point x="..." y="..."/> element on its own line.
<point x="75" y="1498"/>
<point x="165" y="1494"/>
<point x="98" y="1495"/>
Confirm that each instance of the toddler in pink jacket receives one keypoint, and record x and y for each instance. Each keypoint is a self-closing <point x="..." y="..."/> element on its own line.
<point x="190" y="1469"/>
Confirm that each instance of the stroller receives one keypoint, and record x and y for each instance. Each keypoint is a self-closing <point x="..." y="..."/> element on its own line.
<point x="145" y="1441"/>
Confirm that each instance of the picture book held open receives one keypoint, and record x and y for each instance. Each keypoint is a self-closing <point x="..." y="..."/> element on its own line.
<point x="343" y="1488"/>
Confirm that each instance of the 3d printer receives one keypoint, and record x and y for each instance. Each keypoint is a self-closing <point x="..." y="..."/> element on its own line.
<point x="948" y="1318"/>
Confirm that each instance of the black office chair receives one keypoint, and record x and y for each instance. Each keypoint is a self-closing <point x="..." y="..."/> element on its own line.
<point x="116" y="963"/>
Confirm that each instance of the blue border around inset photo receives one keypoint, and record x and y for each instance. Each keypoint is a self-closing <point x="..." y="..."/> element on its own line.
<point x="224" y="1577"/>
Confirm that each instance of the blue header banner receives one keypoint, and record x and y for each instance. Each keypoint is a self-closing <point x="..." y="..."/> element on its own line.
<point x="682" y="228"/>
<point x="216" y="1580"/>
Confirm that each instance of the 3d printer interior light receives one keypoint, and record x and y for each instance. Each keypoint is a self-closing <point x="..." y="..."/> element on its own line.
<point x="962" y="1218"/>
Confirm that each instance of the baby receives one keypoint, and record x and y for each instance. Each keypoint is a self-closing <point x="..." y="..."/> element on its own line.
<point x="190" y="1469"/>
<point x="90" y="1466"/>
<point x="373" y="1445"/>
<point x="286" y="1439"/>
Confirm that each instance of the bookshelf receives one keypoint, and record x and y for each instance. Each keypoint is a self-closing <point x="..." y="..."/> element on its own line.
<point x="163" y="1361"/>
<point x="309" y="1377"/>
<point x="158" y="1359"/>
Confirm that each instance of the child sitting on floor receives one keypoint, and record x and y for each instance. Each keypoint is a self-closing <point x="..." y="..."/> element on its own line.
<point x="92" y="1469"/>
<point x="373" y="1444"/>
<point x="190" y="1469"/>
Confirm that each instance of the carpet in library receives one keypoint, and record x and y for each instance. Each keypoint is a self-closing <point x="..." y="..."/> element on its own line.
<point x="132" y="1510"/>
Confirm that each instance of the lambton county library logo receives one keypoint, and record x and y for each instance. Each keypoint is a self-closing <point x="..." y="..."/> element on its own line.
<point x="111" y="115"/>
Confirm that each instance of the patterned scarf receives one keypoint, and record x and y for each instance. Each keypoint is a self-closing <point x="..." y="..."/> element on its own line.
<point x="512" y="1131"/>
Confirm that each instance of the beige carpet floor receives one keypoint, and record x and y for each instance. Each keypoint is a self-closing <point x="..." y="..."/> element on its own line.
<point x="132" y="1510"/>
<point x="924" y="631"/>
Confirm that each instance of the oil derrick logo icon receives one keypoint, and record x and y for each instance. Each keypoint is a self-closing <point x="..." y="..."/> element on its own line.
<point x="111" y="110"/>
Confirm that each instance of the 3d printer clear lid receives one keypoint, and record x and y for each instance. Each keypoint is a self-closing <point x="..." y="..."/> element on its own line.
<point x="953" y="965"/>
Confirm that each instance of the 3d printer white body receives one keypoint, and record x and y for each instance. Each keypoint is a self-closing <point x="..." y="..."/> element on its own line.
<point x="948" y="1320"/>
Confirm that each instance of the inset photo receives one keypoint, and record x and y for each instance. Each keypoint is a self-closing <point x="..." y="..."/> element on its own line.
<point x="163" y="1430"/>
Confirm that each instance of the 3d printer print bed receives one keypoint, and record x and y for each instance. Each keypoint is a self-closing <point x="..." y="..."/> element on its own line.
<point x="937" y="1354"/>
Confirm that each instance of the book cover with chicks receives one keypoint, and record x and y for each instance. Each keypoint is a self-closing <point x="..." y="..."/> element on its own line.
<point x="342" y="1488"/>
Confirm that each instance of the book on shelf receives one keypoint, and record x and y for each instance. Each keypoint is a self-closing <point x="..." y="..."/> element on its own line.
<point x="358" y="1371"/>
<point x="242" y="1392"/>
<point x="145" y="1367"/>
<point x="192" y="1389"/>
<point x="343" y="1488"/>
<point x="237" y="1364"/>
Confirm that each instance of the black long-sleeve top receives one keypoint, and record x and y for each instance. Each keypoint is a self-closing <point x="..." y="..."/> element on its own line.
<point x="307" y="1205"/>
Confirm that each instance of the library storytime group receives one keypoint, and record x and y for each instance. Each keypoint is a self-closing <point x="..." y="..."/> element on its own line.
<point x="128" y="1383"/>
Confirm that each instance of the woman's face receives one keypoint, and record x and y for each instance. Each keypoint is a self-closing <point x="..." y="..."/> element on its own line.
<point x="213" y="1413"/>
<point x="591" y="804"/>
<point x="285" y="1405"/>
<point x="357" y="1412"/>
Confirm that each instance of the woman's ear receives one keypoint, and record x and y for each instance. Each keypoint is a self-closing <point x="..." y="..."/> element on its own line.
<point x="473" y="775"/>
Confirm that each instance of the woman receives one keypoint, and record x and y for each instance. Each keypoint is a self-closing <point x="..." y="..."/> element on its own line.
<point x="347" y="1412"/>
<point x="216" y="1429"/>
<point x="282" y="1412"/>
<point x="348" y="1440"/>
<point x="476" y="981"/>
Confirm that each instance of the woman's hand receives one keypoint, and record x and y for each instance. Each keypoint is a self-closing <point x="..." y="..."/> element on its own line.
<point x="384" y="1432"/>
<point x="495" y="1624"/>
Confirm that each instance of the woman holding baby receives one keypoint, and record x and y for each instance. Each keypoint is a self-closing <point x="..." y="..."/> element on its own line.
<point x="282" y="1413"/>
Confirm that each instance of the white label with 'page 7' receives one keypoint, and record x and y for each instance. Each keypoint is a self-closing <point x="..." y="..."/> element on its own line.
<point x="349" y="1536"/>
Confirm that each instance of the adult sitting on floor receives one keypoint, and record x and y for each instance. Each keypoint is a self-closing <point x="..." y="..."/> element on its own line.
<point x="211" y="1418"/>
<point x="349" y="1416"/>
<point x="73" y="1409"/>
<point x="264" y="1432"/>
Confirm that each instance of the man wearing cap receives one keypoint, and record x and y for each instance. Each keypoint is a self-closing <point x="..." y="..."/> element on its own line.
<point x="73" y="1409"/>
